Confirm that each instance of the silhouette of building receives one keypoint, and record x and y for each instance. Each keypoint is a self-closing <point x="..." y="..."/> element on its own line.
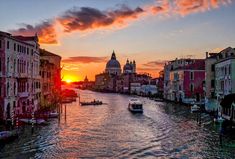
<point x="50" y="72"/>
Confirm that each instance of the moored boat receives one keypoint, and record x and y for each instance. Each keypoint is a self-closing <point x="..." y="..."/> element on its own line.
<point x="95" y="102"/>
<point x="53" y="114"/>
<point x="135" y="106"/>
<point x="6" y="136"/>
<point x="35" y="121"/>
<point x="195" y="108"/>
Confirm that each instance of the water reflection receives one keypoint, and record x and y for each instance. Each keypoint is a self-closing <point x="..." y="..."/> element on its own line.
<point x="111" y="131"/>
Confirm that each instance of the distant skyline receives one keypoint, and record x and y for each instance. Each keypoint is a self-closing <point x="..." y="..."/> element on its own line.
<point x="85" y="32"/>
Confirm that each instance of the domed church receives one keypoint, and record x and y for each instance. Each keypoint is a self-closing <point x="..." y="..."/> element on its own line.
<point x="113" y="66"/>
<point x="129" y="67"/>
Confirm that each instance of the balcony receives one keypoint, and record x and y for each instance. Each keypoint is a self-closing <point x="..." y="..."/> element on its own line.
<point x="23" y="94"/>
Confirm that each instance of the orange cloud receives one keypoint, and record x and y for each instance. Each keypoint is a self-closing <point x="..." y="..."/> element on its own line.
<point x="163" y="7"/>
<point x="185" y="7"/>
<point x="87" y="18"/>
<point x="45" y="30"/>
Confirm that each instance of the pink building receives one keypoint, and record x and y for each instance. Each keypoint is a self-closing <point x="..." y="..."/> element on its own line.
<point x="19" y="75"/>
<point x="186" y="80"/>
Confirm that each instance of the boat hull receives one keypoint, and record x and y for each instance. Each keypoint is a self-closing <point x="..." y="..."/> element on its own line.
<point x="135" y="110"/>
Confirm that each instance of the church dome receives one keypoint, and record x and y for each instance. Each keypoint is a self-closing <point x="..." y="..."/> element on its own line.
<point x="113" y="66"/>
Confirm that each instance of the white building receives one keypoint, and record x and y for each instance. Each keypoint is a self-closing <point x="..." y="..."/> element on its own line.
<point x="225" y="72"/>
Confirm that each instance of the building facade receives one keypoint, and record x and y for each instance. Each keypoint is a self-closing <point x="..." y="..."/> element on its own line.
<point x="50" y="72"/>
<point x="183" y="80"/>
<point x="225" y="72"/>
<point x="19" y="74"/>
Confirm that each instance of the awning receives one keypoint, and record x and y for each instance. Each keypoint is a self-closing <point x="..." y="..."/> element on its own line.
<point x="228" y="100"/>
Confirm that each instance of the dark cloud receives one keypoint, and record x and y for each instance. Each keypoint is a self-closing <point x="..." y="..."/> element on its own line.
<point x="85" y="59"/>
<point x="45" y="30"/>
<point x="90" y="18"/>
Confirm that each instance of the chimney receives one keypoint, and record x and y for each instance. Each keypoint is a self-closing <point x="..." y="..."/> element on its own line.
<point x="206" y="54"/>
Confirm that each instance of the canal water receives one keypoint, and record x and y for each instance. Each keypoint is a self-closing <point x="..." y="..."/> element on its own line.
<point x="164" y="130"/>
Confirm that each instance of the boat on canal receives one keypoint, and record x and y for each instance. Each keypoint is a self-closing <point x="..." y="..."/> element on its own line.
<point x="35" y="121"/>
<point x="195" y="108"/>
<point x="53" y="115"/>
<point x="135" y="106"/>
<point x="95" y="102"/>
<point x="6" y="136"/>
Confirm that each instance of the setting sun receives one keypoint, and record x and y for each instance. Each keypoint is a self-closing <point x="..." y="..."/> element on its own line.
<point x="68" y="81"/>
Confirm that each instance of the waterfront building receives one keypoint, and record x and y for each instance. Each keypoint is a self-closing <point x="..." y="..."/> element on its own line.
<point x="19" y="74"/>
<point x="113" y="80"/>
<point x="225" y="72"/>
<point x="105" y="82"/>
<point x="220" y="77"/>
<point x="184" y="80"/>
<point x="50" y="72"/>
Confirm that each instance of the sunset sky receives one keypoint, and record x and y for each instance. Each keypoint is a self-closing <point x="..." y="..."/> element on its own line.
<point x="85" y="32"/>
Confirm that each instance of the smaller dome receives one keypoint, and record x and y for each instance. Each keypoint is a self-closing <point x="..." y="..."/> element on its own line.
<point x="127" y="67"/>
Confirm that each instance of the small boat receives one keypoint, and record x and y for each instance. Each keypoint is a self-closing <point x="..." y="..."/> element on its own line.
<point x="135" y="106"/>
<point x="6" y="136"/>
<point x="158" y="100"/>
<point x="195" y="108"/>
<point x="35" y="121"/>
<point x="53" y="114"/>
<point x="95" y="102"/>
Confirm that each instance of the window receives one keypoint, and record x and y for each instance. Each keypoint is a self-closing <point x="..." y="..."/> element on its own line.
<point x="191" y="76"/>
<point x="8" y="87"/>
<point x="14" y="104"/>
<point x="8" y="60"/>
<point x="0" y="65"/>
<point x="229" y="70"/>
<point x="191" y="87"/>
<point x="222" y="85"/>
<point x="14" y="65"/>
<point x="0" y="44"/>
<point x="14" y="88"/>
<point x="8" y="44"/>
<point x="14" y="46"/>
<point x="212" y="83"/>
<point x="212" y="68"/>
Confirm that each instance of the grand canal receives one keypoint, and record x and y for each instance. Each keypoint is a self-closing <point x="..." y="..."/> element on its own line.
<point x="164" y="130"/>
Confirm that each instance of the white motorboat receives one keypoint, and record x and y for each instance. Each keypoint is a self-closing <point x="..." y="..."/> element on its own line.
<point x="135" y="106"/>
<point x="195" y="108"/>
<point x="35" y="121"/>
<point x="53" y="115"/>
